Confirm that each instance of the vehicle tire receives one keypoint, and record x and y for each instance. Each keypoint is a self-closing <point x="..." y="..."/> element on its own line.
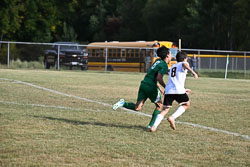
<point x="84" y="68"/>
<point x="56" y="65"/>
<point x="46" y="64"/>
<point x="110" y="68"/>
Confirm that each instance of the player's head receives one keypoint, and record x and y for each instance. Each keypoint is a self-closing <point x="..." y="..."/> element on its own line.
<point x="181" y="56"/>
<point x="162" y="52"/>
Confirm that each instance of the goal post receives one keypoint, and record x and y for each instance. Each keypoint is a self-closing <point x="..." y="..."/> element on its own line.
<point x="227" y="66"/>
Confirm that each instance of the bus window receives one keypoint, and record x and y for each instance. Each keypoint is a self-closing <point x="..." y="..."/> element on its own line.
<point x="123" y="52"/>
<point x="173" y="52"/>
<point x="137" y="53"/>
<point x="118" y="52"/>
<point x="132" y="52"/>
<point x="93" y="52"/>
<point x="142" y="52"/>
<point x="101" y="52"/>
<point x="129" y="52"/>
<point x="110" y="52"/>
<point x="114" y="52"/>
<point x="90" y="52"/>
<point x="97" y="53"/>
<point x="155" y="53"/>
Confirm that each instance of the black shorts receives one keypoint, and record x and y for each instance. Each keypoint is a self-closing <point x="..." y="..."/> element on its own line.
<point x="180" y="98"/>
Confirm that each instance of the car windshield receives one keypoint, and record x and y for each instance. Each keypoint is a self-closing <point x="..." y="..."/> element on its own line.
<point x="68" y="47"/>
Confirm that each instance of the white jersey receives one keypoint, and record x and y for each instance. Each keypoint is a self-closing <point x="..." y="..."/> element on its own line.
<point x="176" y="79"/>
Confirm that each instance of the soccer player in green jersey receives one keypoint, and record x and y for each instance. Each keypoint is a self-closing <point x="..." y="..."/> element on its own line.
<point x="149" y="87"/>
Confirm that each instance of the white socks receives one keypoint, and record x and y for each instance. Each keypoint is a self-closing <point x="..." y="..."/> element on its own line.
<point x="158" y="120"/>
<point x="175" y="115"/>
<point x="178" y="112"/>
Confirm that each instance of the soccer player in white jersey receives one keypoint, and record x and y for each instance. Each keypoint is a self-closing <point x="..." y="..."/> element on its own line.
<point x="175" y="90"/>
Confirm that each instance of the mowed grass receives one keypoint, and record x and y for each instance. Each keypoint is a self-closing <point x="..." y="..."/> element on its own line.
<point x="39" y="127"/>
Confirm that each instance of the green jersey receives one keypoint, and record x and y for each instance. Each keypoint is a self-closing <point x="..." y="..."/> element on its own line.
<point x="159" y="66"/>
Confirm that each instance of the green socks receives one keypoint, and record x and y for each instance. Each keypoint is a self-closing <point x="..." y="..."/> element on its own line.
<point x="154" y="115"/>
<point x="130" y="106"/>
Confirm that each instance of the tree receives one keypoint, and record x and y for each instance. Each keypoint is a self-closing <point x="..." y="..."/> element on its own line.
<point x="200" y="24"/>
<point x="68" y="33"/>
<point x="38" y="21"/>
<point x="164" y="19"/>
<point x="241" y="25"/>
<point x="10" y="19"/>
<point x="130" y="14"/>
<point x="94" y="19"/>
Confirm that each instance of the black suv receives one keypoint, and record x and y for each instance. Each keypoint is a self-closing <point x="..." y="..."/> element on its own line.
<point x="70" y="54"/>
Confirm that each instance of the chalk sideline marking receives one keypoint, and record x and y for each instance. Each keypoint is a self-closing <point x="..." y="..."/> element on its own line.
<point x="139" y="113"/>
<point x="52" y="106"/>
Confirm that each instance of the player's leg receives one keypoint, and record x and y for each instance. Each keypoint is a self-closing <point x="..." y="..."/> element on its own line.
<point x="118" y="104"/>
<point x="159" y="118"/>
<point x="167" y="104"/>
<point x="180" y="110"/>
<point x="139" y="104"/>
<point x="157" y="111"/>
<point x="141" y="98"/>
<point x="156" y="98"/>
<point x="129" y="105"/>
<point x="184" y="102"/>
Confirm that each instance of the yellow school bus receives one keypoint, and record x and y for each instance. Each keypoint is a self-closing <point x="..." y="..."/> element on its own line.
<point x="126" y="56"/>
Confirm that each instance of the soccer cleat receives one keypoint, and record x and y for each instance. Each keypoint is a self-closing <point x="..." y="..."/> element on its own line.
<point x="152" y="129"/>
<point x="120" y="103"/>
<point x="172" y="122"/>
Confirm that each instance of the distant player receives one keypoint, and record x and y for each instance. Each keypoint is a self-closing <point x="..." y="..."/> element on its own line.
<point x="193" y="61"/>
<point x="149" y="88"/>
<point x="175" y="91"/>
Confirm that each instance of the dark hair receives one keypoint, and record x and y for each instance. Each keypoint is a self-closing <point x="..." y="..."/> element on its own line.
<point x="181" y="56"/>
<point x="162" y="52"/>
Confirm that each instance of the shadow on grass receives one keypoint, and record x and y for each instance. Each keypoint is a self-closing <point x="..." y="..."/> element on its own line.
<point x="74" y="122"/>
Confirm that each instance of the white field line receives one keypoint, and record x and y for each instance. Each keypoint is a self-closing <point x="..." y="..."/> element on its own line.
<point x="41" y="105"/>
<point x="131" y="111"/>
<point x="229" y="79"/>
<point x="60" y="93"/>
<point x="51" y="106"/>
<point x="6" y="82"/>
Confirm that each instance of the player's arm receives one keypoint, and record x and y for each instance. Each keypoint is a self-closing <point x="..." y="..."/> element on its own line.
<point x="186" y="66"/>
<point x="160" y="80"/>
<point x="188" y="91"/>
<point x="161" y="89"/>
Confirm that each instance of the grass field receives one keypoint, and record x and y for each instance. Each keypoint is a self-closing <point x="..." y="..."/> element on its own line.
<point x="64" y="118"/>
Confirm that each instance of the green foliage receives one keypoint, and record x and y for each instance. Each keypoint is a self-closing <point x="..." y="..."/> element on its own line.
<point x="132" y="26"/>
<point x="10" y="18"/>
<point x="38" y="19"/>
<point x="241" y="24"/>
<point x="4" y="53"/>
<point x="28" y="52"/>
<point x="68" y="33"/>
<point x="199" y="23"/>
<point x="164" y="19"/>
<point x="18" y="64"/>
